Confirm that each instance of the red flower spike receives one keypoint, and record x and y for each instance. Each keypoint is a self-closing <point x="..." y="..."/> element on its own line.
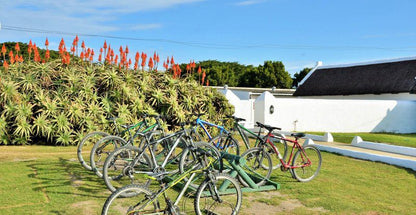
<point x="127" y="49"/>
<point x="199" y="70"/>
<point x="47" y="55"/>
<point x="17" y="47"/>
<point x="11" y="57"/>
<point x="137" y="56"/>
<point x="105" y="45"/>
<point x="3" y="49"/>
<point x="99" y="57"/>
<point x="150" y="64"/>
<point x="167" y="61"/>
<point x="83" y="45"/>
<point x="172" y="61"/>
<point x="5" y="65"/>
<point x="46" y="42"/>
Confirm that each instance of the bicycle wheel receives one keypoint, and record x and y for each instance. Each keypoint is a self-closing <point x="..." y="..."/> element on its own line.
<point x="85" y="146"/>
<point x="102" y="150"/>
<point x="309" y="170"/>
<point x="189" y="159"/>
<point x="126" y="165"/>
<point x="281" y="146"/>
<point x="222" y="195"/>
<point x="256" y="158"/>
<point x="226" y="144"/>
<point x="116" y="204"/>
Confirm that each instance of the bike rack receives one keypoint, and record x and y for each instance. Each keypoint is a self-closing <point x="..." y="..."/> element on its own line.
<point x="236" y="162"/>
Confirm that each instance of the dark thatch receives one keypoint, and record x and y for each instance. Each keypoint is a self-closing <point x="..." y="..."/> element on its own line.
<point x="379" y="78"/>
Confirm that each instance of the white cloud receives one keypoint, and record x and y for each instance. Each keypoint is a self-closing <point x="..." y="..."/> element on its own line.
<point x="249" y="2"/>
<point x="94" y="16"/>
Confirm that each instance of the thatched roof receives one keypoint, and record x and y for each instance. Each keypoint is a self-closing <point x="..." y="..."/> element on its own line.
<point x="395" y="76"/>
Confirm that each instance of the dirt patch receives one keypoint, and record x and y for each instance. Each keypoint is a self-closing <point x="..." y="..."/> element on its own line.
<point x="85" y="207"/>
<point x="278" y="203"/>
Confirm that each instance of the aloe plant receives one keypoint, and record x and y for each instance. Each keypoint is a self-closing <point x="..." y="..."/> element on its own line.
<point x="59" y="103"/>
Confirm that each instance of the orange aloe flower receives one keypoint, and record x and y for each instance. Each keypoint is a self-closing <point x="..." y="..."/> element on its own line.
<point x="46" y="43"/>
<point x="47" y="55"/>
<point x="11" y="57"/>
<point x="17" y="47"/>
<point x="203" y="77"/>
<point x="150" y="64"/>
<point x="5" y="64"/>
<point x="83" y="45"/>
<point x="105" y="45"/>
<point x="172" y="62"/>
<point x="3" y="51"/>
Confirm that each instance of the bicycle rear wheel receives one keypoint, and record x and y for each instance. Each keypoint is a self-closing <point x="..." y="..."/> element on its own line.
<point x="85" y="146"/>
<point x="102" y="150"/>
<point x="116" y="204"/>
<point x="256" y="159"/>
<point x="126" y="165"/>
<point x="221" y="195"/>
<point x="310" y="169"/>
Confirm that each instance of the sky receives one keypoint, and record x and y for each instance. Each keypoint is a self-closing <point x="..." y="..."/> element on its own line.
<point x="297" y="32"/>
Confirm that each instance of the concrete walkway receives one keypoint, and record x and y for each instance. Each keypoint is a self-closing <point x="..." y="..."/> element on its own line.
<point x="368" y="154"/>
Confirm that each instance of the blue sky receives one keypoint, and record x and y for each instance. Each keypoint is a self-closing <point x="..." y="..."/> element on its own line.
<point x="297" y="32"/>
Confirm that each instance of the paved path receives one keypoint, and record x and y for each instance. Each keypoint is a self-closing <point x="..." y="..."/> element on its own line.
<point x="368" y="154"/>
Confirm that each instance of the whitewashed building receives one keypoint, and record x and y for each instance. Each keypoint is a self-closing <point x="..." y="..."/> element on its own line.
<point x="364" y="97"/>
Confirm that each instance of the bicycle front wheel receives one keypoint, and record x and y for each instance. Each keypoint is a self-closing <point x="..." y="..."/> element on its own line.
<point x="85" y="146"/>
<point x="140" y="203"/>
<point x="308" y="163"/>
<point x="258" y="166"/>
<point x="127" y="165"/>
<point x="221" y="195"/>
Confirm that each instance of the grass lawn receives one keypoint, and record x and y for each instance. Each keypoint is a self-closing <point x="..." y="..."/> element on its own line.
<point x="50" y="180"/>
<point x="408" y="140"/>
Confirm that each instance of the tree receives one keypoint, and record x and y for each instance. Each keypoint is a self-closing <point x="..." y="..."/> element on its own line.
<point x="298" y="77"/>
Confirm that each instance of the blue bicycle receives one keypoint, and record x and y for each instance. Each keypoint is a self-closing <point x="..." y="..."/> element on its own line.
<point x="223" y="141"/>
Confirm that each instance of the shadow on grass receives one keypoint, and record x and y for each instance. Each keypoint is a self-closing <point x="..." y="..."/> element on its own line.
<point x="66" y="177"/>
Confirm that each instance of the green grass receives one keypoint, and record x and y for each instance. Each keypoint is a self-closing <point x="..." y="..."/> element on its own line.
<point x="50" y="180"/>
<point x="408" y="140"/>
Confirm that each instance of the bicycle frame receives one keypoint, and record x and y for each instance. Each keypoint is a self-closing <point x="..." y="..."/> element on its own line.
<point x="192" y="172"/>
<point x="295" y="145"/>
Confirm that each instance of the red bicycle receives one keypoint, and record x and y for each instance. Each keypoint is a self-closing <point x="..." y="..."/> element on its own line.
<point x="304" y="162"/>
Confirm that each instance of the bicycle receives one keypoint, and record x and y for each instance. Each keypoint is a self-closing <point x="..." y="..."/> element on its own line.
<point x="303" y="163"/>
<point x="91" y="138"/>
<point x="126" y="165"/>
<point x="231" y="146"/>
<point x="277" y="140"/>
<point x="108" y="144"/>
<point x="210" y="197"/>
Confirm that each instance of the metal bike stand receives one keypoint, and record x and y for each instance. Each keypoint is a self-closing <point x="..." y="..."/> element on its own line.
<point x="236" y="162"/>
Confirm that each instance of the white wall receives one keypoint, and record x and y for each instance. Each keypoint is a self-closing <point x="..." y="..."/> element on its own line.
<point x="244" y="108"/>
<point x="329" y="115"/>
<point x="336" y="115"/>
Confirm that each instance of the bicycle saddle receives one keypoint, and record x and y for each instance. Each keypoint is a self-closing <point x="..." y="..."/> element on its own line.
<point x="298" y="135"/>
<point x="267" y="127"/>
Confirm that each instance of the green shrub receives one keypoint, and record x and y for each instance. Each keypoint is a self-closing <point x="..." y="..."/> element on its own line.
<point x="57" y="104"/>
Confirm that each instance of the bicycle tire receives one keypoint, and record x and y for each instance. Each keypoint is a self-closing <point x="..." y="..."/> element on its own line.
<point x="254" y="166"/>
<point x="227" y="189"/>
<point x="117" y="204"/>
<point x="305" y="174"/>
<point x="90" y="138"/>
<point x="227" y="144"/>
<point x="121" y="166"/>
<point x="188" y="159"/>
<point x="101" y="150"/>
